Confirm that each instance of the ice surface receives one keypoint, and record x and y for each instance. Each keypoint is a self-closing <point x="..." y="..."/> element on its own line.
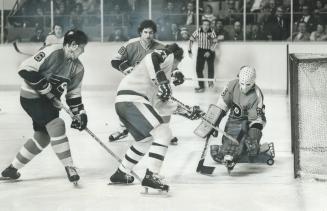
<point x="43" y="185"/>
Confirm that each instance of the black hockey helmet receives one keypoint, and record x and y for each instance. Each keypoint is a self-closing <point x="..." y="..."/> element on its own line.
<point x="75" y="35"/>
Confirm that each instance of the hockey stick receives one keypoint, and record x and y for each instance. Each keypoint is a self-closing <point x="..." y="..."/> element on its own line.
<point x="117" y="158"/>
<point x="188" y="108"/>
<point x="201" y="168"/>
<point x="18" y="51"/>
<point x="207" y="79"/>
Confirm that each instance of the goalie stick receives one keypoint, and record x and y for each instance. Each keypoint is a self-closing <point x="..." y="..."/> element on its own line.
<point x="201" y="168"/>
<point x="207" y="79"/>
<point x="18" y="51"/>
<point x="117" y="158"/>
<point x="188" y="108"/>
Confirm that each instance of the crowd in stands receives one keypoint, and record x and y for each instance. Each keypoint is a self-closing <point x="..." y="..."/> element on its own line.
<point x="176" y="19"/>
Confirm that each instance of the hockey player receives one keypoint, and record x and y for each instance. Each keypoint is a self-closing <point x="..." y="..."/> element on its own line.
<point x="246" y="120"/>
<point x="130" y="54"/>
<point x="45" y="76"/>
<point x="139" y="97"/>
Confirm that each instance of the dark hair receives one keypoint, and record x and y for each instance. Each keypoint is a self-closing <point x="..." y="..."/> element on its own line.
<point x="75" y="35"/>
<point x="176" y="50"/>
<point x="147" y="24"/>
<point x="57" y="24"/>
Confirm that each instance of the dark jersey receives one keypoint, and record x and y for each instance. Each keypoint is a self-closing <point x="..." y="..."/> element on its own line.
<point x="243" y="106"/>
<point x="51" y="63"/>
<point x="132" y="52"/>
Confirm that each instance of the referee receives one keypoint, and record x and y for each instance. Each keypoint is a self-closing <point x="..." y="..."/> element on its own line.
<point x="206" y="52"/>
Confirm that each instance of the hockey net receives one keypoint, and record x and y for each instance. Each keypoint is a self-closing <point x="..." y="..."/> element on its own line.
<point x="308" y="86"/>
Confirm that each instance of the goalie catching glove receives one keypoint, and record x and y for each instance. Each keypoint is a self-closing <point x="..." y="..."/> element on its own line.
<point x="80" y="118"/>
<point x="193" y="113"/>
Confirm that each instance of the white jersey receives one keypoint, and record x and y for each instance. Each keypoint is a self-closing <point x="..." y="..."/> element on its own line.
<point x="141" y="85"/>
<point x="52" y="39"/>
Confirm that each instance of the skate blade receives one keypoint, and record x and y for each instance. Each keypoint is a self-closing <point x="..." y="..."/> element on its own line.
<point x="120" y="184"/>
<point x="155" y="192"/>
<point x="8" y="179"/>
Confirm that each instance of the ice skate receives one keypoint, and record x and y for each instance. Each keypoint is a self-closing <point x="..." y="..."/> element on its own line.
<point x="266" y="155"/>
<point x="10" y="173"/>
<point x="174" y="141"/>
<point x="118" y="135"/>
<point x="229" y="163"/>
<point x="121" y="178"/>
<point x="153" y="181"/>
<point x="72" y="174"/>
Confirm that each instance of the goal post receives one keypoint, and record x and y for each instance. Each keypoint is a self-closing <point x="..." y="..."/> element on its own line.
<point x="308" y="102"/>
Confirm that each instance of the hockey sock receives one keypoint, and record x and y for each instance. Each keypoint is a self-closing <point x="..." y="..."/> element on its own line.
<point x="59" y="141"/>
<point x="31" y="148"/>
<point x="134" y="154"/>
<point x="161" y="137"/>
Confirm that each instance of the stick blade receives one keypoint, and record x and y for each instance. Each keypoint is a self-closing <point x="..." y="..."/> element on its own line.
<point x="202" y="169"/>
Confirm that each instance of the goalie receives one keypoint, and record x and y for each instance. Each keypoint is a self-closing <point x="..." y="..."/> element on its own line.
<point x="244" y="99"/>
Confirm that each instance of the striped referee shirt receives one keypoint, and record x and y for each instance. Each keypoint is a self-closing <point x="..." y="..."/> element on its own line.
<point x="205" y="39"/>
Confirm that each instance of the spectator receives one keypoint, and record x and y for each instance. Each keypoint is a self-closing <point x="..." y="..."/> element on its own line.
<point x="55" y="36"/>
<point x="264" y="13"/>
<point x="318" y="17"/>
<point x="38" y="36"/>
<point x="164" y="29"/>
<point x="298" y="5"/>
<point x="237" y="33"/>
<point x="319" y="34"/>
<point x="184" y="34"/>
<point x="232" y="14"/>
<point x="116" y="16"/>
<point x="206" y="52"/>
<point x="169" y="11"/>
<point x="175" y="33"/>
<point x="190" y="15"/>
<point x="76" y="17"/>
<point x="208" y="13"/>
<point x="277" y="26"/>
<point x="221" y="33"/>
<point x="20" y="19"/>
<point x="255" y="33"/>
<point x="307" y="18"/>
<point x="117" y="35"/>
<point x="302" y="34"/>
<point x="38" y="20"/>
<point x="319" y="5"/>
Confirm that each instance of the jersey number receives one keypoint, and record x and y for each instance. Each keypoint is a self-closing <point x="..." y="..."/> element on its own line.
<point x="39" y="56"/>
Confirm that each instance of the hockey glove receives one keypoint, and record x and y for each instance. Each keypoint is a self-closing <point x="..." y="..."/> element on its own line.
<point x="193" y="114"/>
<point x="178" y="78"/>
<point x="79" y="121"/>
<point x="164" y="91"/>
<point x="77" y="107"/>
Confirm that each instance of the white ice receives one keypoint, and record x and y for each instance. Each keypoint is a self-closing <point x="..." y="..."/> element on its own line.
<point x="43" y="185"/>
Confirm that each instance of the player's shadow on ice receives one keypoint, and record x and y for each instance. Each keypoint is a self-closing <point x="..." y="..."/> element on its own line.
<point x="36" y="179"/>
<point x="248" y="170"/>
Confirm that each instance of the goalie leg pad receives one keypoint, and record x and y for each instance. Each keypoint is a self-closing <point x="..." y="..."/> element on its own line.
<point x="216" y="154"/>
<point x="252" y="141"/>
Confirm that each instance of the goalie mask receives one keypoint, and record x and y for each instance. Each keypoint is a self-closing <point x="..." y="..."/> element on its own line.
<point x="246" y="78"/>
